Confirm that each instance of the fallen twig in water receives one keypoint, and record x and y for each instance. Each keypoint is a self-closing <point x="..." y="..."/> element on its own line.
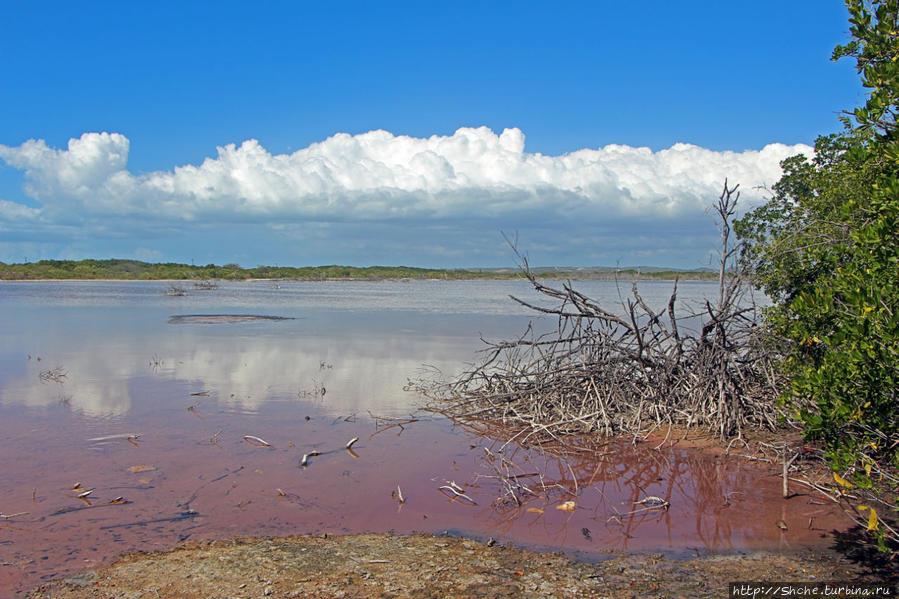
<point x="385" y="423"/>
<point x="67" y="510"/>
<point x="650" y="503"/>
<point x="653" y="502"/>
<point x="256" y="441"/>
<point x="213" y="440"/>
<point x="503" y="472"/>
<point x="455" y="492"/>
<point x="305" y="461"/>
<point x="53" y="375"/>
<point x="186" y="503"/>
<point x="185" y="515"/>
<point x="123" y="437"/>
<point x="11" y="516"/>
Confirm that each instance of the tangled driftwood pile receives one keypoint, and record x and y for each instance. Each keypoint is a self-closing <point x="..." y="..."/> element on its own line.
<point x="628" y="371"/>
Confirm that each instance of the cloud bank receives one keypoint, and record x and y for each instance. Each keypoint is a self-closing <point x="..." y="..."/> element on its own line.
<point x="378" y="175"/>
<point x="369" y="189"/>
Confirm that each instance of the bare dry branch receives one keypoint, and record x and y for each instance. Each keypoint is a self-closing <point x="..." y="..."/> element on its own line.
<point x="626" y="371"/>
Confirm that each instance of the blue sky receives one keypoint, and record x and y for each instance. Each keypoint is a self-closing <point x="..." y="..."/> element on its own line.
<point x="376" y="132"/>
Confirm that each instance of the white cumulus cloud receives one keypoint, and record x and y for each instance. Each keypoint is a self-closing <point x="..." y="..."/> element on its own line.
<point x="381" y="176"/>
<point x="12" y="211"/>
<point x="82" y="168"/>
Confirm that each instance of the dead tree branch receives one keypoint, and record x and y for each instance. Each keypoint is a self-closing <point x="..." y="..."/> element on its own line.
<point x="625" y="371"/>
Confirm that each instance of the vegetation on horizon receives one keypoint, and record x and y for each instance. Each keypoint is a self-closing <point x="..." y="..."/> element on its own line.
<point x="137" y="270"/>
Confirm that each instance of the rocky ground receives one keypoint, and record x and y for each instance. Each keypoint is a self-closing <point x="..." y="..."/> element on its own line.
<point x="370" y="565"/>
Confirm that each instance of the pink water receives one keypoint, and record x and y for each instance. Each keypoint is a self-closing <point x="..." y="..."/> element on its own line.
<point x="171" y="405"/>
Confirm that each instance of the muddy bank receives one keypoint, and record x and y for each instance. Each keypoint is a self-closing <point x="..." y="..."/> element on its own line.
<point x="371" y="565"/>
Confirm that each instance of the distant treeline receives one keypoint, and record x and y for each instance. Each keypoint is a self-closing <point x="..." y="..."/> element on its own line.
<point x="137" y="270"/>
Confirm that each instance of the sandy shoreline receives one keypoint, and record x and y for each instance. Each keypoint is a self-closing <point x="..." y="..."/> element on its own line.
<point x="385" y="565"/>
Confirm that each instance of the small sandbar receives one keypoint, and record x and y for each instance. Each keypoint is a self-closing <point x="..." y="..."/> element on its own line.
<point x="221" y="318"/>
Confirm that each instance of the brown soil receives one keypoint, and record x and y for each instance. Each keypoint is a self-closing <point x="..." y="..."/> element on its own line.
<point x="370" y="565"/>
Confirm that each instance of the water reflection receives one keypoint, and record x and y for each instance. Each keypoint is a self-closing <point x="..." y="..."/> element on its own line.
<point x="636" y="498"/>
<point x="358" y="373"/>
<point x="194" y="390"/>
<point x="360" y="341"/>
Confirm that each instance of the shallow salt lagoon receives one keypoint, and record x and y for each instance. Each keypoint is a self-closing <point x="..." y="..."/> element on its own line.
<point x="145" y="400"/>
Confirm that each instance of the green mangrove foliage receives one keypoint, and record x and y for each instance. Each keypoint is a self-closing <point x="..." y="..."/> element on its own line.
<point x="826" y="249"/>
